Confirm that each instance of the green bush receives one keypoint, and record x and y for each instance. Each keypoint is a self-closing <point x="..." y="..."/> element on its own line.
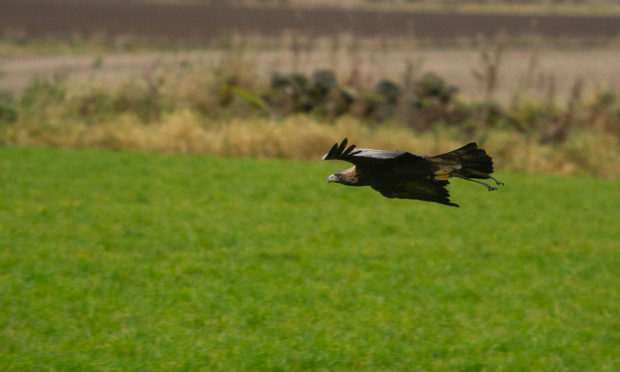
<point x="8" y="111"/>
<point x="41" y="98"/>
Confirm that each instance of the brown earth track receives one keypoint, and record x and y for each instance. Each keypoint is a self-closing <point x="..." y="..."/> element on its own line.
<point x="204" y="22"/>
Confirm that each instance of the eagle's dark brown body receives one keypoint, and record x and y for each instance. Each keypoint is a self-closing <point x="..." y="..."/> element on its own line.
<point x="397" y="174"/>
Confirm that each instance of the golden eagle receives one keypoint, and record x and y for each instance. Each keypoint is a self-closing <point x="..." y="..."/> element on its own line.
<point x="397" y="174"/>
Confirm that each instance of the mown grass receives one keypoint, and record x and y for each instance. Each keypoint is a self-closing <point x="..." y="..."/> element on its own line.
<point x="133" y="261"/>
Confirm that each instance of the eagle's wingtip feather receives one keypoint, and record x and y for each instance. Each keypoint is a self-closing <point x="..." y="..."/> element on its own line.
<point x="343" y="146"/>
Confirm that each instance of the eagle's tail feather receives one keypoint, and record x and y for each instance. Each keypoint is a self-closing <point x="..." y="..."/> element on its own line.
<point x="474" y="163"/>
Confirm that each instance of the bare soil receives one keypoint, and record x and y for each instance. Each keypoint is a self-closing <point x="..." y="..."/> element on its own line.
<point x="177" y="21"/>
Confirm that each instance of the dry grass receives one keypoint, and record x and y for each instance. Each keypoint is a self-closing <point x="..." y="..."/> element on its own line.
<point x="303" y="138"/>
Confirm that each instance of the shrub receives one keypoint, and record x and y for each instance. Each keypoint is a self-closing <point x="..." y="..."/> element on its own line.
<point x="41" y="98"/>
<point x="8" y="111"/>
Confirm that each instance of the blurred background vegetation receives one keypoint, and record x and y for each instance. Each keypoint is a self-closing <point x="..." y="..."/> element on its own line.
<point x="541" y="102"/>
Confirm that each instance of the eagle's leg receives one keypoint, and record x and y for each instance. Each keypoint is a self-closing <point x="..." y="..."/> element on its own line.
<point x="496" y="181"/>
<point x="489" y="187"/>
<point x="485" y="176"/>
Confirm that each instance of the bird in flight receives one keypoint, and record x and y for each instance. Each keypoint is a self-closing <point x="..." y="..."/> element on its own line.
<point x="398" y="174"/>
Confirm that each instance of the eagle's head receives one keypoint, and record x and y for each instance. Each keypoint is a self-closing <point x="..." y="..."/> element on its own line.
<point x="345" y="177"/>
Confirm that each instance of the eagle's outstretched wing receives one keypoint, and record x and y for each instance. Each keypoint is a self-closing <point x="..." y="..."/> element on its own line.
<point x="427" y="189"/>
<point x="361" y="157"/>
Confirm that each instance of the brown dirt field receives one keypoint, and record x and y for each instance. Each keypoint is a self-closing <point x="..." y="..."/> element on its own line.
<point x="204" y="22"/>
<point x="595" y="67"/>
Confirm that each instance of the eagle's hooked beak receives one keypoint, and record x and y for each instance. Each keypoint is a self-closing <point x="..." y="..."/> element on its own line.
<point x="332" y="178"/>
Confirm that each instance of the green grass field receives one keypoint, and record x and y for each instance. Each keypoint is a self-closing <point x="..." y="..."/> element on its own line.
<point x="122" y="261"/>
